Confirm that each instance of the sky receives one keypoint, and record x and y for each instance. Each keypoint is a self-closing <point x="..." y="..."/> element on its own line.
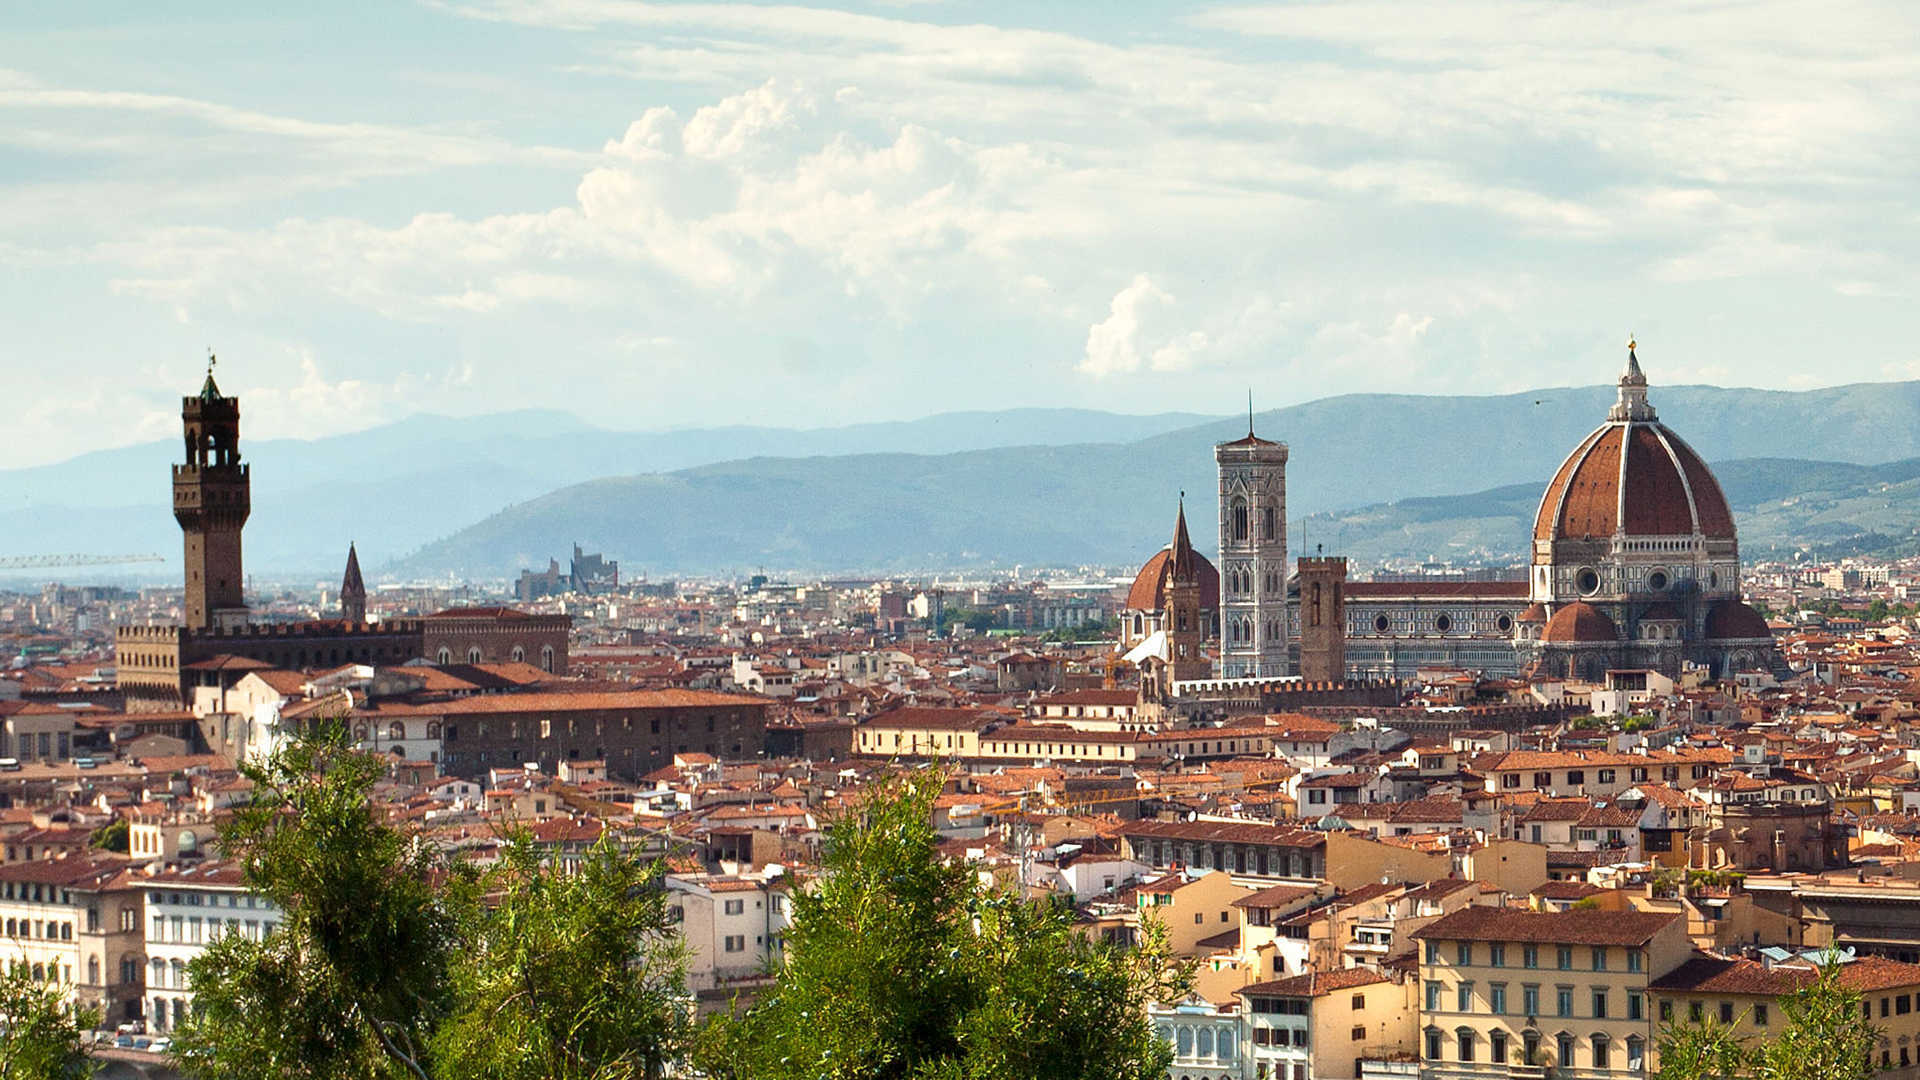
<point x="671" y="215"/>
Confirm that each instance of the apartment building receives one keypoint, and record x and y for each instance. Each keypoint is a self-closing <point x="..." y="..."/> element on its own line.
<point x="1570" y="991"/>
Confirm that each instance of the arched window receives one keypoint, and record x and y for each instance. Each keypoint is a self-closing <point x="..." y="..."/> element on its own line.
<point x="519" y="655"/>
<point x="396" y="731"/>
<point x="1636" y="1054"/>
<point x="473" y="655"/>
<point x="1563" y="1046"/>
<point x="1313" y="611"/>
<point x="93" y="971"/>
<point x="1601" y="1044"/>
<point x="546" y="656"/>
<point x="1203" y="1044"/>
<point x="433" y="729"/>
<point x="1239" y="519"/>
<point x="359" y="733"/>
<point x="159" y="972"/>
<point x="445" y="655"/>
<point x="1183" y="1043"/>
<point x="1269" y="522"/>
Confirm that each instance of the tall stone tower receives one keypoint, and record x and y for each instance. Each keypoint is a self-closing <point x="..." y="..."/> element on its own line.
<point x="1323" y="619"/>
<point x="353" y="590"/>
<point x="211" y="501"/>
<point x="1253" y="557"/>
<point x="1186" y="626"/>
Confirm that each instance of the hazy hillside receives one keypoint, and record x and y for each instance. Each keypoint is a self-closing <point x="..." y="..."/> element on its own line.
<point x="1782" y="506"/>
<point x="1462" y="475"/>
<point x="395" y="487"/>
<point x="896" y="512"/>
<point x="938" y="490"/>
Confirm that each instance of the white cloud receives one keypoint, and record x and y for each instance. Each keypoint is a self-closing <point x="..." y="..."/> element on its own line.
<point x="886" y="209"/>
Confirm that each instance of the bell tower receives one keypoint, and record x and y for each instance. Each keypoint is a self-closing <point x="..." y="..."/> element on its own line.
<point x="1254" y="629"/>
<point x="1186" y="627"/>
<point x="211" y="501"/>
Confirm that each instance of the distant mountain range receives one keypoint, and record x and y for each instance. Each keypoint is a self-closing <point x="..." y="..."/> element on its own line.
<point x="1371" y="476"/>
<point x="395" y="487"/>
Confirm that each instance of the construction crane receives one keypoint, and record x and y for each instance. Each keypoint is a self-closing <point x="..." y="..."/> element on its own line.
<point x="38" y="562"/>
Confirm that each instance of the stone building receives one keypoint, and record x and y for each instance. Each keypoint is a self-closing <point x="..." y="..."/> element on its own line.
<point x="1636" y="562"/>
<point x="159" y="667"/>
<point x="1254" y="624"/>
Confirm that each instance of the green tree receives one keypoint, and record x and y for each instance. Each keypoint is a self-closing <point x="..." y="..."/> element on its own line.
<point x="574" y="976"/>
<point x="356" y="978"/>
<point x="39" y="1033"/>
<point x="393" y="962"/>
<point x="904" y="965"/>
<point x="112" y="836"/>
<point x="1823" y="1036"/>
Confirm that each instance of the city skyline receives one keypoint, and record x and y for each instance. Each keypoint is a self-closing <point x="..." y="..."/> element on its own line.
<point x="679" y="215"/>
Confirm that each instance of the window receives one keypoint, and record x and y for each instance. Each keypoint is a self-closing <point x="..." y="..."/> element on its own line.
<point x="1530" y="956"/>
<point x="1606" y="776"/>
<point x="1497" y="998"/>
<point x="1601" y="1045"/>
<point x="1666" y="1012"/>
<point x="1463" y="997"/>
<point x="1576" y="776"/>
<point x="1760" y="1014"/>
<point x="1465" y="1036"/>
<point x="1530" y="999"/>
<point x="1433" y="997"/>
<point x="1497" y="954"/>
<point x="1497" y="1046"/>
<point x="1564" y="956"/>
<point x="1564" y="1043"/>
<point x="1563" y="1001"/>
<point x="1433" y="1044"/>
<point x="1359" y="1001"/>
<point x="1902" y="1005"/>
<point x="1695" y="1012"/>
<point x="1463" y="953"/>
<point x="1726" y="1012"/>
<point x="736" y="943"/>
<point x="735" y="907"/>
<point x="1599" y="958"/>
<point x="1599" y="1003"/>
<point x="1636" y="1006"/>
<point x="1635" y="960"/>
<point x="1636" y="1053"/>
<point x="1433" y="955"/>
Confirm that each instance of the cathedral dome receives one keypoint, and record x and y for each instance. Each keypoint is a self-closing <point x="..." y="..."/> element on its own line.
<point x="1149" y="590"/>
<point x="1732" y="620"/>
<point x="1633" y="477"/>
<point x="1580" y="623"/>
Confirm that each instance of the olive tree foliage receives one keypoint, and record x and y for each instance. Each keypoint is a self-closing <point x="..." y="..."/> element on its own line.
<point x="570" y="976"/>
<point x="1823" y="1034"/>
<point x="394" y="962"/>
<point x="901" y="964"/>
<point x="39" y="1033"/>
<point x="355" y="980"/>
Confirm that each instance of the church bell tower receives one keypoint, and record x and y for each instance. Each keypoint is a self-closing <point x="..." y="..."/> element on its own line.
<point x="211" y="501"/>
<point x="1254" y="627"/>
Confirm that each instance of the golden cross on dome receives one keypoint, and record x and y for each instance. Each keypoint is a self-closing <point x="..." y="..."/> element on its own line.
<point x="1630" y="343"/>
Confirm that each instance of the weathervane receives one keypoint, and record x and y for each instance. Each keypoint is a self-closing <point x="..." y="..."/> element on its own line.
<point x="211" y="360"/>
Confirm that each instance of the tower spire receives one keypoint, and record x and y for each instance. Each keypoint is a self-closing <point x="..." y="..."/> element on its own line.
<point x="353" y="589"/>
<point x="1181" y="563"/>
<point x="1632" y="404"/>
